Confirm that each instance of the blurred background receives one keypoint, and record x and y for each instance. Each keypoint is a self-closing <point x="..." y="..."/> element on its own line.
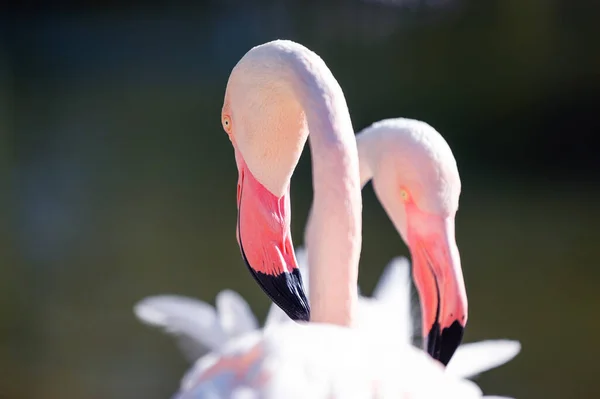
<point x="120" y="182"/>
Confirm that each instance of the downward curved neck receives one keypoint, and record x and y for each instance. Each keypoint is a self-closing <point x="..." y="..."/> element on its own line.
<point x="333" y="237"/>
<point x="367" y="145"/>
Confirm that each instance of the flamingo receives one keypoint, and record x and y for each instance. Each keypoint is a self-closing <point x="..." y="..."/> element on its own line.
<point x="276" y="94"/>
<point x="416" y="179"/>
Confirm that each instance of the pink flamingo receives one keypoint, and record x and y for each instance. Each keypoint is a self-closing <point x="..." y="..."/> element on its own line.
<point x="276" y="95"/>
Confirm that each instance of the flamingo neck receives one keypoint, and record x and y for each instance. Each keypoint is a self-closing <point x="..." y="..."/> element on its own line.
<point x="364" y="149"/>
<point x="333" y="236"/>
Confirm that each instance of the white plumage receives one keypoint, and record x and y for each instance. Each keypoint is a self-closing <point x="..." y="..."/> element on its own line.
<point x="310" y="360"/>
<point x="231" y="329"/>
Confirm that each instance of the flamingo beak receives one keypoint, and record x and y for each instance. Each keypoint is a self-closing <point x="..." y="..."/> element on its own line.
<point x="263" y="234"/>
<point x="439" y="280"/>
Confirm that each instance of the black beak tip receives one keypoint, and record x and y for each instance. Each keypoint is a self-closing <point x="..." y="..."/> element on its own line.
<point x="287" y="291"/>
<point x="442" y="345"/>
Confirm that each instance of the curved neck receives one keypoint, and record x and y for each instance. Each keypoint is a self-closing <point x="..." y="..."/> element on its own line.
<point x="288" y="93"/>
<point x="364" y="146"/>
<point x="376" y="158"/>
<point x="333" y="236"/>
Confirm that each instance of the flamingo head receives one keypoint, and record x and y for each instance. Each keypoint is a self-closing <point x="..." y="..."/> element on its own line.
<point x="267" y="129"/>
<point x="416" y="179"/>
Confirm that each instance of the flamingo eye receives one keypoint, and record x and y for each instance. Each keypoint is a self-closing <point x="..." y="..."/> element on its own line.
<point x="226" y="121"/>
<point x="404" y="194"/>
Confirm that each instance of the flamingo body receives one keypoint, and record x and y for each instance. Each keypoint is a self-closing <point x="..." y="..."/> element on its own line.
<point x="230" y="330"/>
<point x="331" y="362"/>
<point x="277" y="94"/>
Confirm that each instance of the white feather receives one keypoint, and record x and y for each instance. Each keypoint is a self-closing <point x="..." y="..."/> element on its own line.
<point x="193" y="322"/>
<point x="276" y="316"/>
<point x="474" y="358"/>
<point x="394" y="283"/>
<point x="235" y="315"/>
<point x="239" y="346"/>
<point x="394" y="291"/>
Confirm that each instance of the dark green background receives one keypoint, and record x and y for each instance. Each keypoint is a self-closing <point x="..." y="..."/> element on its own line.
<point x="120" y="182"/>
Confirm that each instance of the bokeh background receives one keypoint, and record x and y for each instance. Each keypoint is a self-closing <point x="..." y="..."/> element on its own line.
<point x="120" y="182"/>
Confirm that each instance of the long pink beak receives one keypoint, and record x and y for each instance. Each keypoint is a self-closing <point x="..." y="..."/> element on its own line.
<point x="438" y="276"/>
<point x="263" y="233"/>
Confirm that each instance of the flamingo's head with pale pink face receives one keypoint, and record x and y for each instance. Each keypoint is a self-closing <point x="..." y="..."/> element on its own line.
<point x="267" y="129"/>
<point x="416" y="178"/>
